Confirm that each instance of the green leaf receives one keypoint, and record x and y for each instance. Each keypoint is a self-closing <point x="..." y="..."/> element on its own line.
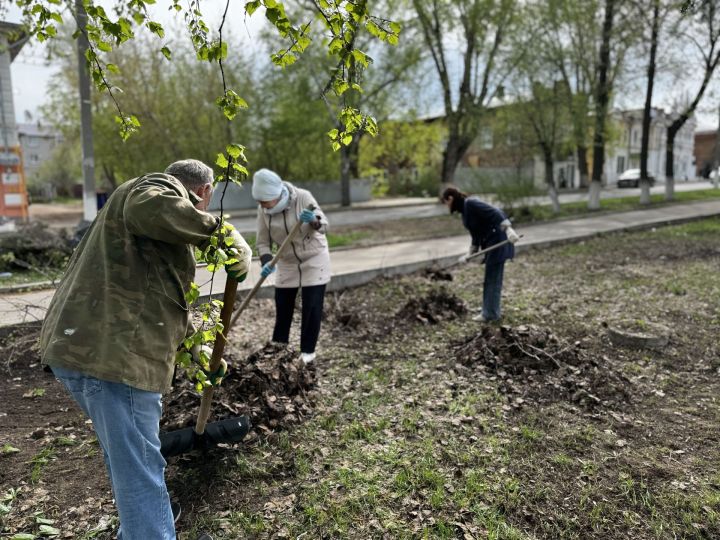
<point x="234" y="150"/>
<point x="47" y="530"/>
<point x="347" y="139"/>
<point x="222" y="161"/>
<point x="166" y="52"/>
<point x="251" y="7"/>
<point x="8" y="449"/>
<point x="23" y="536"/>
<point x="156" y="28"/>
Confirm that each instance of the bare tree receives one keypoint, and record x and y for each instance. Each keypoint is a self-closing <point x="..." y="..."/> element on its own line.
<point x="645" y="143"/>
<point x="483" y="29"/>
<point x="602" y="100"/>
<point x="703" y="31"/>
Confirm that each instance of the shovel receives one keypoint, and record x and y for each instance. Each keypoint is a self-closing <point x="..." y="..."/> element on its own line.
<point x="488" y="249"/>
<point x="230" y="430"/>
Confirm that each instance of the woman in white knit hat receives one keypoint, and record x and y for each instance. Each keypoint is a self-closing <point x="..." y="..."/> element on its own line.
<point x="305" y="265"/>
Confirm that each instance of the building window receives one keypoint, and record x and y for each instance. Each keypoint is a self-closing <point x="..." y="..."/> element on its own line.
<point x="620" y="164"/>
<point x="11" y="178"/>
<point x="486" y="138"/>
<point x="635" y="135"/>
<point x="33" y="159"/>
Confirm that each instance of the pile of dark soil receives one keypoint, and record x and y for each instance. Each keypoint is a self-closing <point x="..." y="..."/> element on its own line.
<point x="438" y="274"/>
<point x="19" y="343"/>
<point x="437" y="306"/>
<point x="272" y="386"/>
<point x="535" y="365"/>
<point x="34" y="246"/>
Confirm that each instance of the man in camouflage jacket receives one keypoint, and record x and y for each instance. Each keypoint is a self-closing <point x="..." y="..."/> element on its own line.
<point x="117" y="318"/>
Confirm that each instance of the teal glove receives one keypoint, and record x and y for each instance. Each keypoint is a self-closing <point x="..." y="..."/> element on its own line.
<point x="266" y="270"/>
<point x="307" y="216"/>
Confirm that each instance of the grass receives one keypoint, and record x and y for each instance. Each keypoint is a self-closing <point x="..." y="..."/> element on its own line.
<point x="29" y="277"/>
<point x="619" y="204"/>
<point x="406" y="444"/>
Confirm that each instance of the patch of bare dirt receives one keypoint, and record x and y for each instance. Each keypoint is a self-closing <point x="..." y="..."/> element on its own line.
<point x="536" y="365"/>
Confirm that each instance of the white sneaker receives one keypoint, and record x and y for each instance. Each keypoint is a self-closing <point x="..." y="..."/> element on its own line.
<point x="479" y="318"/>
<point x="307" y="358"/>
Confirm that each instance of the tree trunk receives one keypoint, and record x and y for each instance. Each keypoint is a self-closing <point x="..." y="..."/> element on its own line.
<point x="582" y="166"/>
<point x="670" y="162"/>
<point x="601" y="101"/>
<point x="454" y="151"/>
<point x="550" y="181"/>
<point x="645" y="144"/>
<point x="110" y="177"/>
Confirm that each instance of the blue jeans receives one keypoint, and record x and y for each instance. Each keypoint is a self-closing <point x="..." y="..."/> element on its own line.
<point x="127" y="424"/>
<point x="492" y="291"/>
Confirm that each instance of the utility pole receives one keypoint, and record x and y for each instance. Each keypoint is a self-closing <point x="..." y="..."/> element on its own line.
<point x="88" y="154"/>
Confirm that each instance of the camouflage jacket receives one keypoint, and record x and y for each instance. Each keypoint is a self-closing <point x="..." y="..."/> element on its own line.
<point x="119" y="312"/>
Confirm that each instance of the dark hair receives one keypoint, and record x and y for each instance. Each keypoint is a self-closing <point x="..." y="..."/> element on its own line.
<point x="458" y="202"/>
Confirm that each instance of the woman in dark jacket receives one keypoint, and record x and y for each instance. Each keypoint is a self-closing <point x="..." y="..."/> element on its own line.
<point x="488" y="226"/>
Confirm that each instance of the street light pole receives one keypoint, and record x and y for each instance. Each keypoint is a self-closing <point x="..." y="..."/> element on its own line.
<point x="88" y="154"/>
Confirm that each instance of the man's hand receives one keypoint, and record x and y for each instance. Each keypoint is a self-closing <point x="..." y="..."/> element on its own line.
<point x="266" y="270"/>
<point x="307" y="216"/>
<point x="217" y="376"/>
<point x="214" y="377"/>
<point x="512" y="235"/>
<point x="240" y="250"/>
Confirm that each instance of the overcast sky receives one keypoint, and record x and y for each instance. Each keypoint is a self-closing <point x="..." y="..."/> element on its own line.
<point x="31" y="71"/>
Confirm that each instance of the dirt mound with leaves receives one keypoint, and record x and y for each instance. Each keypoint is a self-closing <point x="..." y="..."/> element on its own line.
<point x="436" y="306"/>
<point x="534" y="365"/>
<point x="272" y="386"/>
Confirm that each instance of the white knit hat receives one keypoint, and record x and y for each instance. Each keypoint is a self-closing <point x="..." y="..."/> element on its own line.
<point x="266" y="186"/>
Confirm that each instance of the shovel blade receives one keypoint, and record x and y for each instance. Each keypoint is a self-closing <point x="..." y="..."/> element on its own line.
<point x="230" y="430"/>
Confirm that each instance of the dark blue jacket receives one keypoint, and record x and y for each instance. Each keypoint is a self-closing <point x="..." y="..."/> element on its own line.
<point x="483" y="221"/>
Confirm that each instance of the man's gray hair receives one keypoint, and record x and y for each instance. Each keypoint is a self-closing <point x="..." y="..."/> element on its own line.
<point x="191" y="172"/>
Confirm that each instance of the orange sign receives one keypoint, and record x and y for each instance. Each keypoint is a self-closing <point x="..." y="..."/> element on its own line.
<point x="13" y="194"/>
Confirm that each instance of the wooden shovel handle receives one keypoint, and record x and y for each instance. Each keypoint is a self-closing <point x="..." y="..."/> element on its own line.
<point x="228" y="302"/>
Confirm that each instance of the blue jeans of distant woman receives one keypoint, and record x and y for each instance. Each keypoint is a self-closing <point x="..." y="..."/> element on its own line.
<point x="127" y="424"/>
<point x="492" y="291"/>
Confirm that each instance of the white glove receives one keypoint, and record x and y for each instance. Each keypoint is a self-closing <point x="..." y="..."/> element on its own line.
<point x="241" y="251"/>
<point x="512" y="235"/>
<point x="505" y="224"/>
<point x="470" y="253"/>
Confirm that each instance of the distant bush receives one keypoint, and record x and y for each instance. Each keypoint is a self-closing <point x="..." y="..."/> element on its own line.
<point x="511" y="190"/>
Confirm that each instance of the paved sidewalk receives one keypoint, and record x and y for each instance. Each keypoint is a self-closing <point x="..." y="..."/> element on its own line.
<point x="353" y="267"/>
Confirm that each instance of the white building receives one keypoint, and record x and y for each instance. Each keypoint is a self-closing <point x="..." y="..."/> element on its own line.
<point x="623" y="151"/>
